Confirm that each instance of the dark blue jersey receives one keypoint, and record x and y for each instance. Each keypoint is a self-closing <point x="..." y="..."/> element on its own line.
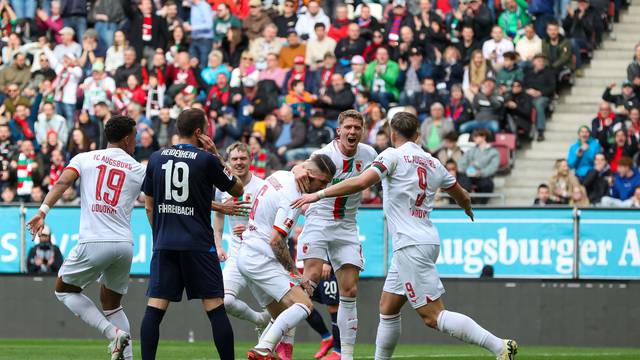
<point x="181" y="180"/>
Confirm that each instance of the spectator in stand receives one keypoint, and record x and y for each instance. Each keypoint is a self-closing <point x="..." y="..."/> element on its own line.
<point x="53" y="23"/>
<point x="624" y="183"/>
<point x="518" y="106"/>
<point x="44" y="257"/>
<point x="633" y="70"/>
<point x="514" y="18"/>
<point x="351" y="45"/>
<point x="215" y="66"/>
<point x="633" y="124"/>
<point x="582" y="153"/>
<point x="366" y="23"/>
<point x="263" y="162"/>
<point x="540" y="83"/>
<point x="37" y="195"/>
<point x="147" y="31"/>
<point x="451" y="70"/>
<point x="380" y="78"/>
<point x="634" y="201"/>
<point x="369" y="197"/>
<point x="323" y="74"/>
<point x="423" y="100"/>
<point x="475" y="74"/>
<point x="68" y="45"/>
<point x="13" y="47"/>
<point x="579" y="197"/>
<point x="478" y="165"/>
<point x="109" y="14"/>
<point x="374" y="121"/>
<point x="48" y="120"/>
<point x="146" y="146"/>
<point x="412" y="74"/>
<point x="132" y="93"/>
<point x="164" y="127"/>
<point x="97" y="87"/>
<point x="26" y="167"/>
<point x="287" y="21"/>
<point x="382" y="141"/>
<point x="557" y="50"/>
<point x="337" y="98"/>
<point x="318" y="135"/>
<point x="91" y="51"/>
<point x="427" y="15"/>
<point x="223" y="21"/>
<point x="299" y="100"/>
<point x="434" y="128"/>
<point x="178" y="43"/>
<point x="478" y="15"/>
<point x="181" y="73"/>
<point x="234" y="45"/>
<point x="228" y="129"/>
<point x="340" y="24"/>
<point x="509" y="73"/>
<point x="458" y="108"/>
<point x="528" y="45"/>
<point x="495" y="48"/>
<point x="371" y="49"/>
<point x="267" y="44"/>
<point x="583" y="26"/>
<point x="398" y="18"/>
<point x="625" y="101"/>
<point x="115" y="53"/>
<point x="272" y="71"/>
<point x="13" y="98"/>
<point x="16" y="73"/>
<point x="562" y="182"/>
<point x="605" y="124"/>
<point x="170" y="12"/>
<point x="355" y="76"/>
<point x="401" y="49"/>
<point x="544" y="196"/>
<point x="468" y="44"/>
<point x="201" y="27"/>
<point x="318" y="47"/>
<point x="130" y="67"/>
<point x="488" y="109"/>
<point x="622" y="146"/>
<point x="450" y="151"/>
<point x="307" y="22"/>
<point x="293" y="49"/>
<point x="598" y="180"/>
<point x="285" y="133"/>
<point x="22" y="124"/>
<point x="9" y="194"/>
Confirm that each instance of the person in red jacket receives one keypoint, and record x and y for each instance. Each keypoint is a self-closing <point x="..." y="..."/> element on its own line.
<point x="339" y="26"/>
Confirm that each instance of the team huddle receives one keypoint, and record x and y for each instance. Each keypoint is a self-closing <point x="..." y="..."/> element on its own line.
<point x="183" y="183"/>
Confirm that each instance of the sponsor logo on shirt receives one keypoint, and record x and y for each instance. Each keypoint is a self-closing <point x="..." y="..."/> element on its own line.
<point x="288" y="223"/>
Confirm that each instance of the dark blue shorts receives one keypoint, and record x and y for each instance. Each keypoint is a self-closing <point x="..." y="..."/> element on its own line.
<point x="174" y="271"/>
<point x="327" y="291"/>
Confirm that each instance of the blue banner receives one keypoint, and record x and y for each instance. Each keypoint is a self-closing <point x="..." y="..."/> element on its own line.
<point x="609" y="247"/>
<point x="9" y="239"/>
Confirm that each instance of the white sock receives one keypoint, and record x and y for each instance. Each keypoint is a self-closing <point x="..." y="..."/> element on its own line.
<point x="348" y="325"/>
<point x="118" y="318"/>
<point x="289" y="337"/>
<point x="464" y="328"/>
<point x="266" y="330"/>
<point x="83" y="307"/>
<point x="389" y="330"/>
<point x="287" y="320"/>
<point x="241" y="310"/>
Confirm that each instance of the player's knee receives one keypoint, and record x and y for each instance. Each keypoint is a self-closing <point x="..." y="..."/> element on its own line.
<point x="61" y="296"/>
<point x="350" y="290"/>
<point x="308" y="304"/>
<point x="431" y="320"/>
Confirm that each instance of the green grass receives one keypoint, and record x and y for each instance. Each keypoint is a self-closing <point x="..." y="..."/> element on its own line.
<point x="11" y="349"/>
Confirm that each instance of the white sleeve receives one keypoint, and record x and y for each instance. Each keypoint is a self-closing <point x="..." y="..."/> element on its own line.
<point x="447" y="181"/>
<point x="218" y="195"/>
<point x="385" y="164"/>
<point x="75" y="164"/>
<point x="286" y="218"/>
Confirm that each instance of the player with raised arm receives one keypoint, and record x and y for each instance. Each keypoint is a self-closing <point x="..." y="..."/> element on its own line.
<point x="239" y="158"/>
<point x="178" y="191"/>
<point x="110" y="181"/>
<point x="264" y="259"/>
<point x="330" y="227"/>
<point x="410" y="178"/>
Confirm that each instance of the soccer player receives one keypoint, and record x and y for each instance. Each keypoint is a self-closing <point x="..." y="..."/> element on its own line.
<point x="110" y="181"/>
<point x="410" y="179"/>
<point x="179" y="190"/>
<point x="330" y="228"/>
<point x="239" y="158"/>
<point x="327" y="294"/>
<point x="264" y="259"/>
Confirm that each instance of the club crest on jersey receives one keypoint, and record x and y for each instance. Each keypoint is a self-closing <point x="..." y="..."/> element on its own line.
<point x="288" y="222"/>
<point x="358" y="165"/>
<point x="305" y="248"/>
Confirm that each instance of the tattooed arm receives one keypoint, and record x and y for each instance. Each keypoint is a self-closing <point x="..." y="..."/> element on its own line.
<point x="281" y="251"/>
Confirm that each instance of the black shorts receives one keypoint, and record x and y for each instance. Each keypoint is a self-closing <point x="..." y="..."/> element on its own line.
<point x="327" y="291"/>
<point x="174" y="271"/>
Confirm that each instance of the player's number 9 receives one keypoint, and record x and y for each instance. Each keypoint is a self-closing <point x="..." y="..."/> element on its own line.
<point x="176" y="181"/>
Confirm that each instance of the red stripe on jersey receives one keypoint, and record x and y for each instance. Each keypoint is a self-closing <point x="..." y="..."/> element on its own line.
<point x="282" y="232"/>
<point x="72" y="169"/>
<point x="339" y="207"/>
<point x="379" y="165"/>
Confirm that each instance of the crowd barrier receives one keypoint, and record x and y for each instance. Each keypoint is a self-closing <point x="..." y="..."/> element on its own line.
<point x="518" y="242"/>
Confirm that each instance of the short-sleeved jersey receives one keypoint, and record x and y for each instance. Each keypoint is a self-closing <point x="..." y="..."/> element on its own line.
<point x="410" y="179"/>
<point x="271" y="210"/>
<point x="181" y="180"/>
<point x="250" y="190"/>
<point x="345" y="207"/>
<point x="110" y="182"/>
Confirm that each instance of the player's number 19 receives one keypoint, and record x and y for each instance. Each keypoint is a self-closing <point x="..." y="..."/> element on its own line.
<point x="176" y="177"/>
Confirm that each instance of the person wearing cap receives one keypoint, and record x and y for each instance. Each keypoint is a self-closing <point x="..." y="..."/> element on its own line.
<point x="318" y="47"/>
<point x="380" y="78"/>
<point x="412" y="73"/>
<point x="254" y="24"/>
<point x="398" y="18"/>
<point x="307" y="21"/>
<point x="287" y="20"/>
<point x="353" y="44"/>
<point x="67" y="45"/>
<point x="97" y="87"/>
<point x="540" y="83"/>
<point x="625" y="101"/>
<point x="354" y="77"/>
<point x="44" y="257"/>
<point x="293" y="49"/>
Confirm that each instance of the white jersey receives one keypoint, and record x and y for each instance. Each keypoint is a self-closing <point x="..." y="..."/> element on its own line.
<point x="110" y="182"/>
<point x="410" y="179"/>
<point x="250" y="190"/>
<point x="343" y="208"/>
<point x="271" y="210"/>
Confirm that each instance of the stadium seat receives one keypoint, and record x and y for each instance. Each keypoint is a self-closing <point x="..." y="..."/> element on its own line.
<point x="506" y="145"/>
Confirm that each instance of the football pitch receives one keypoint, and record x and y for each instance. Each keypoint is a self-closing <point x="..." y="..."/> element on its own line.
<point x="12" y="349"/>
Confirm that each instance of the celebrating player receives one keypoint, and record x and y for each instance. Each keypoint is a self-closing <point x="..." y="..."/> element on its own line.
<point x="179" y="190"/>
<point x="264" y="259"/>
<point x="330" y="227"/>
<point x="410" y="179"/>
<point x="110" y="182"/>
<point x="239" y="159"/>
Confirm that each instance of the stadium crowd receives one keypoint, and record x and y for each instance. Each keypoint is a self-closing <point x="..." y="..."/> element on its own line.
<point x="276" y="74"/>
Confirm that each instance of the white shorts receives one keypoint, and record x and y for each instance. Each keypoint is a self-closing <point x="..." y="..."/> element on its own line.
<point x="413" y="274"/>
<point x="267" y="280"/>
<point x="339" y="241"/>
<point x="107" y="262"/>
<point x="234" y="282"/>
